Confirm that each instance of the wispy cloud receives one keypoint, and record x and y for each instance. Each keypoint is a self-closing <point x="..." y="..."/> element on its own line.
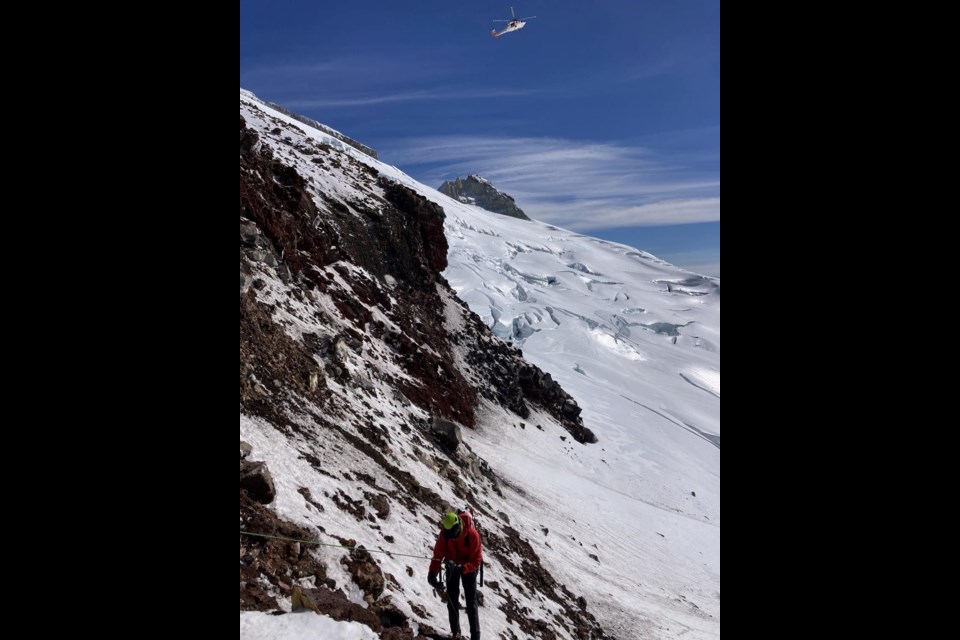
<point x="306" y="69"/>
<point x="405" y="96"/>
<point x="577" y="185"/>
<point x="360" y="81"/>
<point x="290" y="70"/>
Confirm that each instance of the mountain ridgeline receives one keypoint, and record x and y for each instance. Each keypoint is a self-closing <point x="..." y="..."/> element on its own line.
<point x="359" y="370"/>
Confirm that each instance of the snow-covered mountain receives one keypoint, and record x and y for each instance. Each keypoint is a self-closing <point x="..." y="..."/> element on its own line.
<point x="358" y="341"/>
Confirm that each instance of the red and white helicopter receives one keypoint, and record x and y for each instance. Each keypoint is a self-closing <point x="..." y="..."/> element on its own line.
<point x="512" y="25"/>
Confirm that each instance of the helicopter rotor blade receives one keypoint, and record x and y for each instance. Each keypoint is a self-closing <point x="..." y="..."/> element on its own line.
<point x="530" y="18"/>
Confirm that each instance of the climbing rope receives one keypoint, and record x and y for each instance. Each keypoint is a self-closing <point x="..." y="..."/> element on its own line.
<point x="335" y="546"/>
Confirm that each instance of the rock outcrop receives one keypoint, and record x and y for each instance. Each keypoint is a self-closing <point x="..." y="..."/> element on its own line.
<point x="476" y="191"/>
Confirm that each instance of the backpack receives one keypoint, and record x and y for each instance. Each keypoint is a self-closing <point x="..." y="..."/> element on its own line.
<point x="473" y="518"/>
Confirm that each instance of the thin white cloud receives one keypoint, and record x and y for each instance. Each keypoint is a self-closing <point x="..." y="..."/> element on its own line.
<point x="603" y="214"/>
<point x="289" y="70"/>
<point x="306" y="68"/>
<point x="576" y="185"/>
<point x="360" y="81"/>
<point x="406" y="96"/>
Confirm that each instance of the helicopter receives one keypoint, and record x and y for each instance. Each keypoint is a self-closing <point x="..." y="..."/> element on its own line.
<point x="512" y="25"/>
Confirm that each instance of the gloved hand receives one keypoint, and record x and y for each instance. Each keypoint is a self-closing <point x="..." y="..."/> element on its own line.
<point x="436" y="587"/>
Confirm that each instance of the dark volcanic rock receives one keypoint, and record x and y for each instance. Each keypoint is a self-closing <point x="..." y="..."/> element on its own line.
<point x="256" y="480"/>
<point x="446" y="434"/>
<point x="365" y="571"/>
<point x="477" y="191"/>
<point x="336" y="605"/>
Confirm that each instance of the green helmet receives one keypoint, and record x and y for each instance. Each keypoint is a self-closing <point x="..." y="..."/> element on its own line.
<point x="450" y="520"/>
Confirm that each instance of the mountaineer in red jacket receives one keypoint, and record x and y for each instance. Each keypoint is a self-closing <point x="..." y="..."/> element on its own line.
<point x="458" y="544"/>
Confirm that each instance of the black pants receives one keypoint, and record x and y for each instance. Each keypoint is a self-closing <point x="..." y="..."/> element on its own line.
<point x="453" y="603"/>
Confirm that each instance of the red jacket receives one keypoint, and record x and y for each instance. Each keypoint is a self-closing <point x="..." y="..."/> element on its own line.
<point x="465" y="549"/>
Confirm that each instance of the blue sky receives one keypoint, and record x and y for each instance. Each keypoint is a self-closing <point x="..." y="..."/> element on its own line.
<point x="601" y="116"/>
